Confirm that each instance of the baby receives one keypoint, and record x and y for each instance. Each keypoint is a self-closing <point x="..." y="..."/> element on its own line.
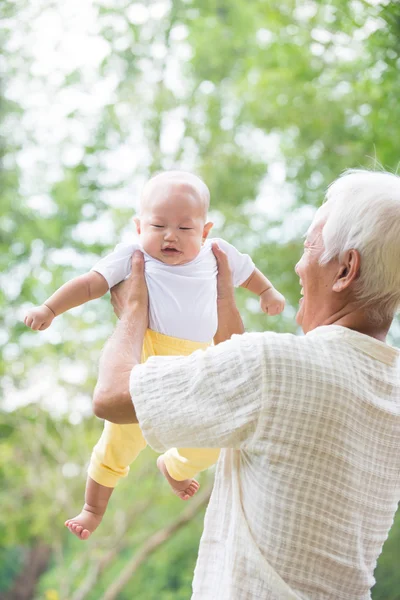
<point x="181" y="276"/>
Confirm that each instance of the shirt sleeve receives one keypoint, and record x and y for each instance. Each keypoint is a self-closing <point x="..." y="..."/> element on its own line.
<point x="116" y="267"/>
<point x="241" y="265"/>
<point x="210" y="399"/>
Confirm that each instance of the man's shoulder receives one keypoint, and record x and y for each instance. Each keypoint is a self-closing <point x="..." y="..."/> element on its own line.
<point x="286" y="347"/>
<point x="274" y="338"/>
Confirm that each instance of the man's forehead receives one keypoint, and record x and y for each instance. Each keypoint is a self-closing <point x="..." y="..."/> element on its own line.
<point x="320" y="218"/>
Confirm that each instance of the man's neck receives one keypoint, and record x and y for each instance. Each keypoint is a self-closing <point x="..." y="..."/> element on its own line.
<point x="378" y="331"/>
<point x="358" y="319"/>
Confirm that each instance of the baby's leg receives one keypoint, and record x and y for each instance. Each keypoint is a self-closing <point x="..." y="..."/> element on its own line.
<point x="180" y="466"/>
<point x="91" y="515"/>
<point x="117" y="448"/>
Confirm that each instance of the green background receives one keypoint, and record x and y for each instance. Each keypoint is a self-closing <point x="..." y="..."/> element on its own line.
<point x="269" y="102"/>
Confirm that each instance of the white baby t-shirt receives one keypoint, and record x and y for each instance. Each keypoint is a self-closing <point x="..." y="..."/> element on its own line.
<point x="182" y="298"/>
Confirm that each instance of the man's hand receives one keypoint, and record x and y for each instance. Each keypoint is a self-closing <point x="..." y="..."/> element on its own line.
<point x="39" y="318"/>
<point x="131" y="294"/>
<point x="225" y="289"/>
<point x="229" y="320"/>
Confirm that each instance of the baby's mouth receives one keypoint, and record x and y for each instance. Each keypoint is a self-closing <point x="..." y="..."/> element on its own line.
<point x="170" y="250"/>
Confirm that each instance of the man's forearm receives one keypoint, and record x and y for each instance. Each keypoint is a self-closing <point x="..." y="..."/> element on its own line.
<point x="229" y="320"/>
<point x="112" y="399"/>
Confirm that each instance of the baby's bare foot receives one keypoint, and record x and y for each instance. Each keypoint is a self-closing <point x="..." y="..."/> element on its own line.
<point x="84" y="524"/>
<point x="183" y="489"/>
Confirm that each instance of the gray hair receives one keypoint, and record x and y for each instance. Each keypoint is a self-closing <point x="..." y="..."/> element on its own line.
<point x="364" y="215"/>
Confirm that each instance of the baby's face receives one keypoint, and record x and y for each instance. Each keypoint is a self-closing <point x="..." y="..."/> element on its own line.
<point x="172" y="223"/>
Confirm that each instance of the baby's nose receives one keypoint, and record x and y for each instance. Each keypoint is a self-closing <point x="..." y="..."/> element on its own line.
<point x="170" y="234"/>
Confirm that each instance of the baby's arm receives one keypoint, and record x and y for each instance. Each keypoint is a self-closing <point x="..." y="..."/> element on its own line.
<point x="245" y="274"/>
<point x="272" y="302"/>
<point x="73" y="293"/>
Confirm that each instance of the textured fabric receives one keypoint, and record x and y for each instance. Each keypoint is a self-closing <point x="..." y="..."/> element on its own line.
<point x="182" y="298"/>
<point x="119" y="445"/>
<point x="306" y="493"/>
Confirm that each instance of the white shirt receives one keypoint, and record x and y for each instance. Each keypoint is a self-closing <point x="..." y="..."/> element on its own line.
<point x="304" y="498"/>
<point x="182" y="298"/>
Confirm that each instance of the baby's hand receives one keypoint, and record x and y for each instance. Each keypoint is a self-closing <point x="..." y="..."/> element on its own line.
<point x="39" y="318"/>
<point x="272" y="302"/>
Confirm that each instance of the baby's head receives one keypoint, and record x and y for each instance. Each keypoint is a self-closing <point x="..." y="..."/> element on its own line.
<point x="172" y="219"/>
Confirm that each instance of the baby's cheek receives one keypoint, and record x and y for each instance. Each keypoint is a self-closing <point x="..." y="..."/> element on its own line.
<point x="150" y="243"/>
<point x="193" y="247"/>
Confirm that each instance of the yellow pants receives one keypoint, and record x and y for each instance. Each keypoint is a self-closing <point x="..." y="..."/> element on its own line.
<point x="119" y="445"/>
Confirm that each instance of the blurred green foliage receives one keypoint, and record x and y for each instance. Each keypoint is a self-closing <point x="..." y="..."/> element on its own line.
<point x="269" y="102"/>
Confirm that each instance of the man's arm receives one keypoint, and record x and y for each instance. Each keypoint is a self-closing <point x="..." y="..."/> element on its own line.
<point x="210" y="399"/>
<point x="229" y="319"/>
<point x="122" y="352"/>
<point x="112" y="400"/>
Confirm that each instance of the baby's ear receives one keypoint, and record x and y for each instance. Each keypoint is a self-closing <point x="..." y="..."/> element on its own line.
<point x="137" y="223"/>
<point x="207" y="229"/>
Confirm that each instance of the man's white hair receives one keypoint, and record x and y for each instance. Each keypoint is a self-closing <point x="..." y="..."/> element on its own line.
<point x="364" y="215"/>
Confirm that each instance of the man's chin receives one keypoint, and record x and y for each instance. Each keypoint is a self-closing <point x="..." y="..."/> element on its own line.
<point x="299" y="314"/>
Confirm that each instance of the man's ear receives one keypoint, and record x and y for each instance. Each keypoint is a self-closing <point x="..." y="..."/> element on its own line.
<point x="349" y="270"/>
<point x="207" y="229"/>
<point x="137" y="223"/>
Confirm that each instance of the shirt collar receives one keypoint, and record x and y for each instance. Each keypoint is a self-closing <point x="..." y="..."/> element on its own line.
<point x="367" y="344"/>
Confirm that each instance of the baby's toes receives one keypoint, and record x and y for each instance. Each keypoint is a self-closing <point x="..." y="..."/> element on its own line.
<point x="85" y="534"/>
<point x="192" y="489"/>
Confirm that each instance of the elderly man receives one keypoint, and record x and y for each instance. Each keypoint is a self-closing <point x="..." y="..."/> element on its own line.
<point x="308" y="484"/>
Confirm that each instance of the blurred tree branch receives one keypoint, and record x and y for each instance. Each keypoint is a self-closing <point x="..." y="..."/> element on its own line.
<point x="36" y="562"/>
<point x="98" y="565"/>
<point x="155" y="541"/>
